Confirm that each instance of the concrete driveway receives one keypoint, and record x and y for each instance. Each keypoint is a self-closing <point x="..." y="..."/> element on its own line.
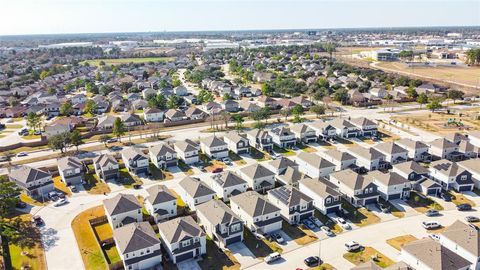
<point x="404" y="207"/>
<point x="188" y="265"/>
<point x="289" y="244"/>
<point x="383" y="216"/>
<point x="243" y="254"/>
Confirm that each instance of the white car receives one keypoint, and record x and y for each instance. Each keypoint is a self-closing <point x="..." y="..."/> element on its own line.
<point x="326" y="230"/>
<point x="343" y="223"/>
<point x="352" y="246"/>
<point x="272" y="257"/>
<point x="61" y="202"/>
<point x="274" y="155"/>
<point x="431" y="225"/>
<point x="22" y="154"/>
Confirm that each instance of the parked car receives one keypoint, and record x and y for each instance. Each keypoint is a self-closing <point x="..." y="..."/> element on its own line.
<point x="272" y="257"/>
<point x="472" y="219"/>
<point x="53" y="195"/>
<point x="464" y="207"/>
<point x="22" y="154"/>
<point x="446" y="196"/>
<point x="113" y="140"/>
<point x="227" y="161"/>
<point x="60" y="202"/>
<point x="309" y="224"/>
<point x="217" y="170"/>
<point x="259" y="236"/>
<point x="352" y="246"/>
<point x="385" y="208"/>
<point x="21" y="205"/>
<point x="38" y="221"/>
<point x="3" y="158"/>
<point x="473" y="226"/>
<point x="326" y="230"/>
<point x="116" y="148"/>
<point x="279" y="238"/>
<point x="74" y="189"/>
<point x="316" y="221"/>
<point x="274" y="155"/>
<point x="37" y="133"/>
<point x="434" y="236"/>
<point x="432" y="213"/>
<point x="344" y="223"/>
<point x="431" y="225"/>
<point x="312" y="261"/>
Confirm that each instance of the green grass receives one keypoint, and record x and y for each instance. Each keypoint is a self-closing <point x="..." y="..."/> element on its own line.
<point x="365" y="256"/>
<point x="119" y="61"/>
<point x="359" y="216"/>
<point x="112" y="254"/>
<point x="422" y="204"/>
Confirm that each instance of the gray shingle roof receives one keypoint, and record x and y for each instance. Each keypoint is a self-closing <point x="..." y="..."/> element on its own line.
<point x="411" y="166"/>
<point x="133" y="153"/>
<point x="178" y="229"/>
<point x="213" y="141"/>
<point x="447" y="167"/>
<point x="69" y="163"/>
<point x="217" y="212"/>
<point x="161" y="149"/>
<point x="388" y="179"/>
<point x="289" y="196"/>
<point x="292" y="176"/>
<point x="282" y="163"/>
<point x="464" y="236"/>
<point x="338" y="155"/>
<point x="228" y="179"/>
<point x="104" y="159"/>
<point x="135" y="236"/>
<point x="315" y="160"/>
<point x="367" y="153"/>
<point x="254" y="204"/>
<point x="195" y="188"/>
<point x="121" y="203"/>
<point x="26" y="174"/>
<point x="159" y="194"/>
<point x="256" y="170"/>
<point x="390" y="148"/>
<point x="351" y="179"/>
<point x="321" y="187"/>
<point x="411" y="144"/>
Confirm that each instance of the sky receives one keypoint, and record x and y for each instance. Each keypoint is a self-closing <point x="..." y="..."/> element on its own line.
<point x="100" y="16"/>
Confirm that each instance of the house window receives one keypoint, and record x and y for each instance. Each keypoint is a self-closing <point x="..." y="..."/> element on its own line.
<point x="186" y="243"/>
<point x="328" y="200"/>
<point x="463" y="177"/>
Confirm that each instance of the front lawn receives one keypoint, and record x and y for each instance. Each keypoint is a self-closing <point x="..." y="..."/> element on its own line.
<point x="258" y="155"/>
<point x="335" y="227"/>
<point x="158" y="174"/>
<point x="238" y="160"/>
<point x="298" y="234"/>
<point x="94" y="185"/>
<point x="216" y="259"/>
<point x="393" y="210"/>
<point x="421" y="203"/>
<point x="29" y="200"/>
<point x="284" y="151"/>
<point x="324" y="266"/>
<point x="459" y="198"/>
<point x="127" y="180"/>
<point x="399" y="241"/>
<point x="258" y="247"/>
<point x="185" y="168"/>
<point x="90" y="250"/>
<point x="360" y="216"/>
<point x="365" y="255"/>
<point x="60" y="185"/>
<point x="181" y="205"/>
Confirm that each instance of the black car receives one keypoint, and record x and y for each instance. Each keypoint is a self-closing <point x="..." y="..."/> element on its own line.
<point x="385" y="208"/>
<point x="38" y="221"/>
<point x="312" y="261"/>
<point x="464" y="207"/>
<point x="472" y="219"/>
<point x="21" y="205"/>
<point x="446" y="197"/>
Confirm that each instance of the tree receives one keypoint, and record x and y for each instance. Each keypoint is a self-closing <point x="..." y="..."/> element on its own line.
<point x="8" y="155"/>
<point x="226" y="97"/>
<point x="435" y="104"/>
<point x="318" y="109"/>
<point x="267" y="89"/>
<point x="33" y="120"/>
<point x="341" y="95"/>
<point x="59" y="141"/>
<point x="173" y="102"/>
<point x="9" y="197"/>
<point x="225" y="116"/>
<point x="285" y="112"/>
<point x="422" y="99"/>
<point x="297" y="112"/>
<point x="176" y="82"/>
<point x="44" y="74"/>
<point x="104" y="139"/>
<point x="473" y="56"/>
<point x="76" y="139"/>
<point x="257" y="116"/>
<point x="454" y="95"/>
<point x="238" y="119"/>
<point x="66" y="108"/>
<point x="411" y="92"/>
<point x="118" y="128"/>
<point x="90" y="107"/>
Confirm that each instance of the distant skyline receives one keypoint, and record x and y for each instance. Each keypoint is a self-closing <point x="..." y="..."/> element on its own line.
<point x="21" y="17"/>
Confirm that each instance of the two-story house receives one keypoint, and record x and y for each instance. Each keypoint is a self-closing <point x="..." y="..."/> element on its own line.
<point x="138" y="246"/>
<point x="160" y="203"/>
<point x="283" y="137"/>
<point x="260" y="139"/>
<point x="367" y="127"/>
<point x="153" y="115"/>
<point x="35" y="182"/>
<point x="291" y="176"/>
<point x="342" y="160"/>
<point x="324" y="130"/>
<point x="71" y="170"/>
<point x="220" y="222"/>
<point x="450" y="175"/>
<point x="214" y="147"/>
<point x="368" y="158"/>
<point x="123" y="209"/>
<point x="182" y="238"/>
<point x="313" y="165"/>
<point x="393" y="153"/>
<point x="258" y="177"/>
<point x="445" y="149"/>
<point x="237" y="143"/>
<point x="325" y="194"/>
<point x="256" y="212"/>
<point x="471" y="165"/>
<point x="463" y="240"/>
<point x="358" y="189"/>
<point x="411" y="170"/>
<point x="194" y="192"/>
<point x="344" y="129"/>
<point x="304" y="133"/>
<point x="294" y="205"/>
<point x="163" y="156"/>
<point x="417" y="150"/>
<point x="187" y="151"/>
<point x="227" y="184"/>
<point x="279" y="165"/>
<point x="106" y="167"/>
<point x="390" y="185"/>
<point x="135" y="160"/>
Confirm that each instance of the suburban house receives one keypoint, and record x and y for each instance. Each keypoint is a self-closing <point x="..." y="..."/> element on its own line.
<point x="313" y="165"/>
<point x="227" y="184"/>
<point x="153" y="115"/>
<point x="450" y="175"/>
<point x="106" y="167"/>
<point x="342" y="160"/>
<point x="291" y="176"/>
<point x="214" y="147"/>
<point x="220" y="222"/>
<point x="325" y="194"/>
<point x="195" y="113"/>
<point x="187" y="151"/>
<point x="237" y="143"/>
<point x="279" y="165"/>
<point x="283" y="137"/>
<point x="367" y="127"/>
<point x="160" y="203"/>
<point x="344" y="129"/>
<point x="463" y="240"/>
<point x="130" y="120"/>
<point x="411" y="170"/>
<point x="174" y="115"/>
<point x="468" y="150"/>
<point x="138" y="246"/>
<point x="428" y="187"/>
<point x="368" y="158"/>
<point x="304" y="133"/>
<point x="260" y="139"/>
<point x="358" y="189"/>
<point x="194" y="192"/>
<point x="472" y="165"/>
<point x="390" y="185"/>
<point x="123" y="209"/>
<point x="106" y="122"/>
<point x="428" y="254"/>
<point x="135" y="160"/>
<point x="455" y="137"/>
<point x="163" y="156"/>
<point x="257" y="213"/>
<point x="392" y="152"/>
<point x="417" y="150"/>
<point x="444" y="149"/>
<point x="294" y="205"/>
<point x="182" y="238"/>
<point x="258" y="177"/>
<point x="71" y="170"/>
<point x="474" y="137"/>
<point x="323" y="130"/>
<point x="35" y="182"/>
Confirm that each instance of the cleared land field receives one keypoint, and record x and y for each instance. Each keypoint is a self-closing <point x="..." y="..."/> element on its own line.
<point x="119" y="61"/>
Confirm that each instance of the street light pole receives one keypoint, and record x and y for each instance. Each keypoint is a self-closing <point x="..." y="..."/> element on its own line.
<point x="319" y="252"/>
